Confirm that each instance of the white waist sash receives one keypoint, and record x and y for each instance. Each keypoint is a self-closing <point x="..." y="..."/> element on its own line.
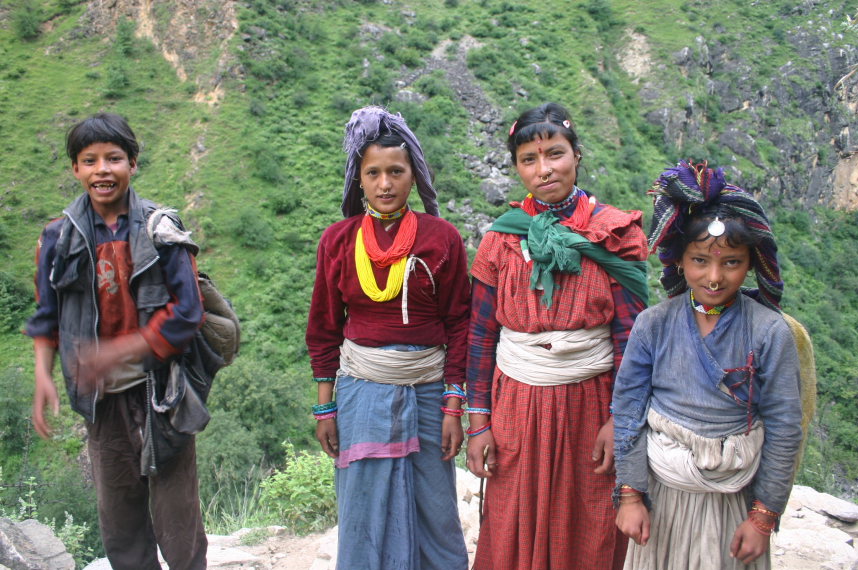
<point x="681" y="459"/>
<point x="574" y="355"/>
<point x="400" y="367"/>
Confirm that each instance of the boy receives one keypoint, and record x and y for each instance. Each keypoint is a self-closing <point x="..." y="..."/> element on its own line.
<point x="117" y="308"/>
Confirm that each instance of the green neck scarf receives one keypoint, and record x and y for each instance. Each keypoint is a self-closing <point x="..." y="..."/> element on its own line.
<point x="555" y="247"/>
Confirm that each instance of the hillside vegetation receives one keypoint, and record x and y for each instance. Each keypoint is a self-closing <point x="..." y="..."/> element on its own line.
<point x="240" y="107"/>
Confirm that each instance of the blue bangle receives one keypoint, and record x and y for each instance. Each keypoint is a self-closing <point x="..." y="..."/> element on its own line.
<point x="485" y="411"/>
<point x="326" y="408"/>
<point x="324" y="379"/>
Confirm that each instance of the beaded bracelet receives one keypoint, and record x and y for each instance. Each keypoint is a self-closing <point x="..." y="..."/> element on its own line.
<point x="327" y="416"/>
<point x="759" y="507"/>
<point x="762" y="523"/>
<point x="477" y="431"/>
<point x="325" y="408"/>
<point x="324" y="379"/>
<point x="629" y="494"/>
<point x="484" y="411"/>
<point x="453" y="412"/>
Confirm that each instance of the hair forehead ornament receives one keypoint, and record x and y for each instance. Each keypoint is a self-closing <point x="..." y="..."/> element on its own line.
<point x="716" y="228"/>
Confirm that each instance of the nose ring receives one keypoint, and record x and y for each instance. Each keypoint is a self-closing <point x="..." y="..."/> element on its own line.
<point x="547" y="176"/>
<point x="714" y="286"/>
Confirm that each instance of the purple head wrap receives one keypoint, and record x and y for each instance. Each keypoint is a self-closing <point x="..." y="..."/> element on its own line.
<point x="687" y="190"/>
<point x="366" y="125"/>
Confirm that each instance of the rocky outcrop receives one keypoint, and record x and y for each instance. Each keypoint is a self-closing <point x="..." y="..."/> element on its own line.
<point x="817" y="531"/>
<point x="793" y="125"/>
<point x="30" y="545"/>
<point x="193" y="35"/>
<point x="485" y="123"/>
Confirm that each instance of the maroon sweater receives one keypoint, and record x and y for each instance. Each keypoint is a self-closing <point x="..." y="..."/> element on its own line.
<point x="340" y="309"/>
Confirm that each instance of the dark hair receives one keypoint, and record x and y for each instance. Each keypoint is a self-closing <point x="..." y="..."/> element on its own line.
<point x="391" y="140"/>
<point x="736" y="230"/>
<point x="387" y="140"/>
<point x="102" y="128"/>
<point x="546" y="120"/>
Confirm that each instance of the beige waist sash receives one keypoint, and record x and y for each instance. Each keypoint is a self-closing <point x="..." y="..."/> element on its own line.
<point x="681" y="459"/>
<point x="400" y="367"/>
<point x="574" y="355"/>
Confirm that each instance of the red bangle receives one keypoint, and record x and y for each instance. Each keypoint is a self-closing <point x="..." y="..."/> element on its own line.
<point x="479" y="430"/>
<point x="453" y="412"/>
<point x="759" y="522"/>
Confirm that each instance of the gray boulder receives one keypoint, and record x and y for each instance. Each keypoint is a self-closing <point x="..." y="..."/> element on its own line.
<point x="31" y="545"/>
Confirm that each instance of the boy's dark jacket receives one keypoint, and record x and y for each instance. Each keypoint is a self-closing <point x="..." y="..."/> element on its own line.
<point x="74" y="279"/>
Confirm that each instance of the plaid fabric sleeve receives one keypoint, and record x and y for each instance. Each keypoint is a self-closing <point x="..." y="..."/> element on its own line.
<point x="483" y="334"/>
<point x="626" y="309"/>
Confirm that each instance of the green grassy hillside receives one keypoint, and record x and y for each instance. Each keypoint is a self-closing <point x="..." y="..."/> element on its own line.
<point x="258" y="173"/>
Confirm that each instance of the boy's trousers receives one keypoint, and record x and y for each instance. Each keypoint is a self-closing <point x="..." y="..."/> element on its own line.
<point x="139" y="514"/>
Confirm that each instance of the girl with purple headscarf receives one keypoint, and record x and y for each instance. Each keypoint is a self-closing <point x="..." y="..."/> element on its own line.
<point x="387" y="330"/>
<point x="707" y="410"/>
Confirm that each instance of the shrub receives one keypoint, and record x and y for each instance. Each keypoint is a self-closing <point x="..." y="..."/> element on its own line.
<point x="265" y="401"/>
<point x="27" y="19"/>
<point x="117" y="81"/>
<point x="302" y="493"/>
<point x="252" y="230"/>
<point x="225" y="450"/>
<point x="124" y="42"/>
<point x="15" y="302"/>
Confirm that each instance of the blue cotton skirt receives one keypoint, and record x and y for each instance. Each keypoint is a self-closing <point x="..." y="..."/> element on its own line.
<point x="396" y="499"/>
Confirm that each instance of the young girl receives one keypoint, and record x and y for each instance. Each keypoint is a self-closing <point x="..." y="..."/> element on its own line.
<point x="387" y="328"/>
<point x="707" y="414"/>
<point x="557" y="283"/>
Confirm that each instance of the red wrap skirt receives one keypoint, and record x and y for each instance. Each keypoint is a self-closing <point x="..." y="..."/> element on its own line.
<point x="545" y="508"/>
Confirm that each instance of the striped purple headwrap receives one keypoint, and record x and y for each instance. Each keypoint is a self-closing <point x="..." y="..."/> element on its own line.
<point x="366" y="125"/>
<point x="685" y="191"/>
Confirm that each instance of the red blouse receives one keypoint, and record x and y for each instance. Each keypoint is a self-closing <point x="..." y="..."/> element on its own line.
<point x="340" y="309"/>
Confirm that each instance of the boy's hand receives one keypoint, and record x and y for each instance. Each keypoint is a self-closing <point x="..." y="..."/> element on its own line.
<point x="45" y="396"/>
<point x="96" y="360"/>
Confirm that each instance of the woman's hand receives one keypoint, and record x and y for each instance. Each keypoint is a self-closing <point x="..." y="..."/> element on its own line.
<point x="452" y="437"/>
<point x="633" y="521"/>
<point x="326" y="433"/>
<point x="603" y="451"/>
<point x="748" y="543"/>
<point x="481" y="454"/>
